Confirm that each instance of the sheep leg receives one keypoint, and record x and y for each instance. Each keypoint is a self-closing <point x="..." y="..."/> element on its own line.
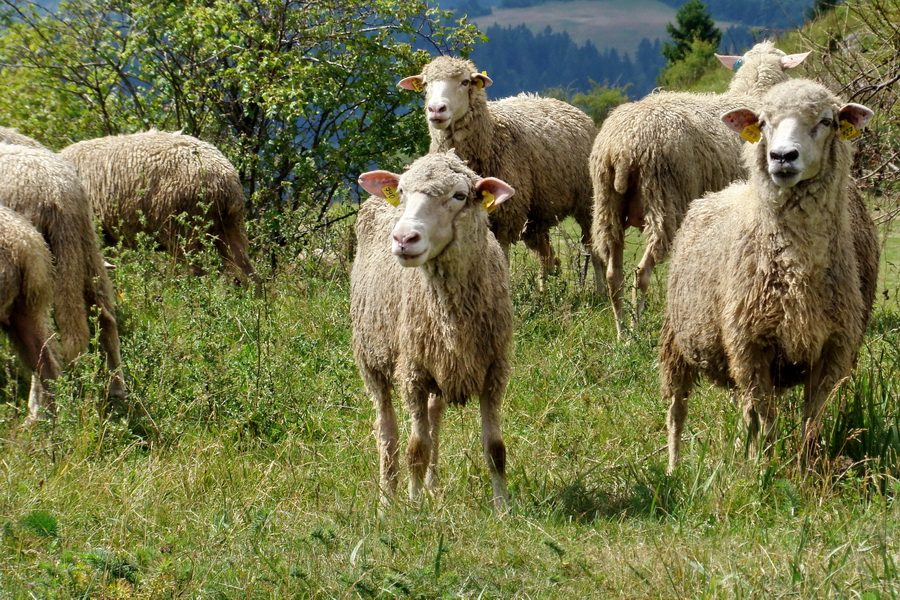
<point x="30" y="339"/>
<point x="584" y="222"/>
<point x="825" y="375"/>
<point x="418" y="452"/>
<point x="676" y="382"/>
<point x="109" y="341"/>
<point x="540" y="243"/>
<point x="385" y="433"/>
<point x="436" y="406"/>
<point x="615" y="281"/>
<point x="492" y="441"/>
<point x="642" y="283"/>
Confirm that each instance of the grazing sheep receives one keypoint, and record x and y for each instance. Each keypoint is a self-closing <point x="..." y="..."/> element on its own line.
<point x="538" y="145"/>
<point x="26" y="291"/>
<point x="44" y="189"/>
<point x="772" y="280"/>
<point x="653" y="156"/>
<point x="431" y="312"/>
<point x="11" y="136"/>
<point x="141" y="183"/>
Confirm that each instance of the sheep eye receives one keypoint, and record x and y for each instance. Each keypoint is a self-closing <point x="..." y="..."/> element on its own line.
<point x="461" y="196"/>
<point x="465" y="82"/>
<point x="825" y="122"/>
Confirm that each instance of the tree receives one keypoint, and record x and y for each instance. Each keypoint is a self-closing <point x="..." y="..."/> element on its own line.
<point x="300" y="95"/>
<point x="694" y="23"/>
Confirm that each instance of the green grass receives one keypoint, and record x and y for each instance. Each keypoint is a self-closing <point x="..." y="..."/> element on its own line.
<point x="257" y="476"/>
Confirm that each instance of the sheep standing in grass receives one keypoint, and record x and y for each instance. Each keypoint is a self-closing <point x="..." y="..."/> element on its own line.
<point x="26" y="291"/>
<point x="537" y="145"/>
<point x="43" y="188"/>
<point x="653" y="156"/>
<point x="141" y="183"/>
<point x="772" y="280"/>
<point x="431" y="310"/>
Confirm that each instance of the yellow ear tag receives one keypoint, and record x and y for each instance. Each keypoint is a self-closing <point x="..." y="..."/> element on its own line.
<point x="849" y="131"/>
<point x="417" y="86"/>
<point x="487" y="201"/>
<point x="390" y="194"/>
<point x="752" y="133"/>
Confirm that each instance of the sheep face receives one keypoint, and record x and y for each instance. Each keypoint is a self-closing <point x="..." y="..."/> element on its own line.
<point x="431" y="197"/>
<point x="796" y="130"/>
<point x="448" y="84"/>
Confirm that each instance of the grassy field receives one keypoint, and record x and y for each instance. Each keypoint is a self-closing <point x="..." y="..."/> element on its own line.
<point x="256" y="475"/>
<point x="606" y="23"/>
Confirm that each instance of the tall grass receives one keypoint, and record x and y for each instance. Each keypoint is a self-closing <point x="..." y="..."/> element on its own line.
<point x="256" y="474"/>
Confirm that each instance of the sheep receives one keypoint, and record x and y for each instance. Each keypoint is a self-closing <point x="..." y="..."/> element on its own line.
<point x="26" y="292"/>
<point x="44" y="188"/>
<point x="772" y="280"/>
<point x="11" y="136"/>
<point x="653" y="156"/>
<point x="142" y="182"/>
<point x="538" y="145"/>
<point x="431" y="311"/>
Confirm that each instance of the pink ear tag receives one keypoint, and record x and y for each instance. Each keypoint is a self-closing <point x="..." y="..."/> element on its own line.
<point x="849" y="130"/>
<point x="752" y="133"/>
<point x="487" y="201"/>
<point x="390" y="194"/>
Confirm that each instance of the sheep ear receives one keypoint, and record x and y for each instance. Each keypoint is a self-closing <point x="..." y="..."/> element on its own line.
<point x="728" y="60"/>
<point x="493" y="192"/>
<point x="415" y="83"/>
<point x="792" y="60"/>
<point x="851" y="118"/>
<point x="382" y="184"/>
<point x="745" y="122"/>
<point x="482" y="80"/>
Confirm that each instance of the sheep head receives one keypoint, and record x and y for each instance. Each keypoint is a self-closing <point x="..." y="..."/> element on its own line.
<point x="796" y="126"/>
<point x="431" y="197"/>
<point x="449" y="85"/>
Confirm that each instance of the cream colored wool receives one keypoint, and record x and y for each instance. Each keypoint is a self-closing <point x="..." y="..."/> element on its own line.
<point x="11" y="136"/>
<point x="655" y="155"/>
<point x="26" y="292"/>
<point x="537" y="145"/>
<point x="441" y="332"/>
<point x="43" y="188"/>
<point x="141" y="183"/>
<point x="771" y="287"/>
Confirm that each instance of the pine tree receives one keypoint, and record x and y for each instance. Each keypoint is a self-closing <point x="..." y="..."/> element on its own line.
<point x="694" y="23"/>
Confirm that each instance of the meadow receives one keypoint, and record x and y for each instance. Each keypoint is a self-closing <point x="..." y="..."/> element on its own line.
<point x="253" y="474"/>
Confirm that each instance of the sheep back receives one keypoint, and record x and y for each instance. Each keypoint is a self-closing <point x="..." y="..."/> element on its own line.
<point x="139" y="183"/>
<point x="12" y="136"/>
<point x="37" y="184"/>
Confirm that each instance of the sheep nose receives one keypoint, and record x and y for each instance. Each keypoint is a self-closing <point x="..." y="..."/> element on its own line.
<point x="784" y="156"/>
<point x="404" y="239"/>
<point x="436" y="109"/>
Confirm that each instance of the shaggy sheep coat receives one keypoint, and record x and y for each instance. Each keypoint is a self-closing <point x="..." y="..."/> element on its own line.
<point x="772" y="287"/>
<point x="141" y="183"/>
<point x="537" y="145"/>
<point x="43" y="188"/>
<point x="653" y="156"/>
<point x="26" y="291"/>
<point x="441" y="332"/>
<point x="11" y="136"/>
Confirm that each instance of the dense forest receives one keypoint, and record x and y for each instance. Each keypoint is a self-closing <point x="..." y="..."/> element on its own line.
<point x="534" y="62"/>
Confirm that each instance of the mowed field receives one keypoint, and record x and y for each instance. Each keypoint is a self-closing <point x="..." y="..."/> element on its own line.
<point x="606" y="23"/>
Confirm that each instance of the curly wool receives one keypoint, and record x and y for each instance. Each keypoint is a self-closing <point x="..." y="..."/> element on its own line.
<point x="12" y="136"/>
<point x="140" y="183"/>
<point x="43" y="188"/>
<point x="537" y="145"/>
<point x="26" y="292"/>
<point x="768" y="284"/>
